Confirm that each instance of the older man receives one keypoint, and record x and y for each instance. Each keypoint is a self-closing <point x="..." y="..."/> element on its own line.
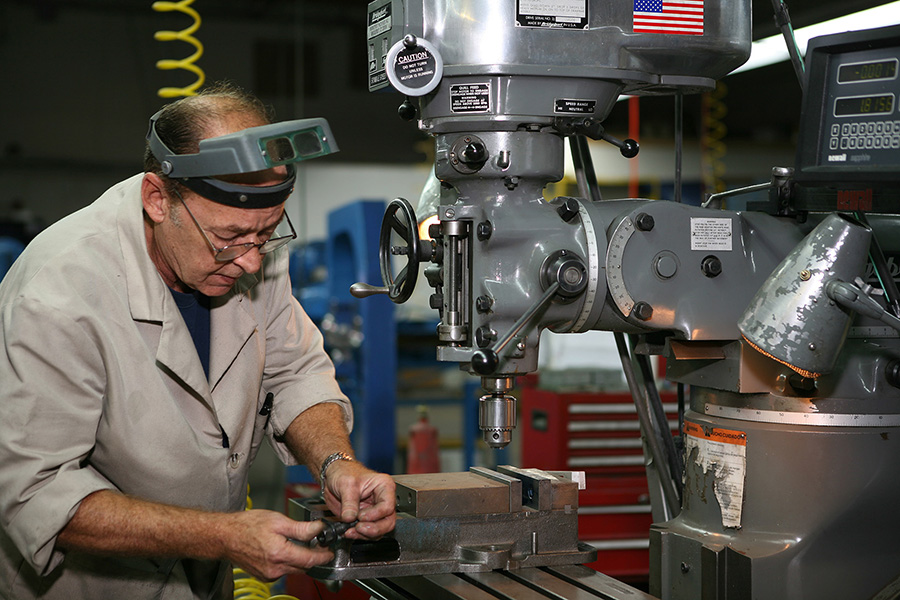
<point x="151" y="342"/>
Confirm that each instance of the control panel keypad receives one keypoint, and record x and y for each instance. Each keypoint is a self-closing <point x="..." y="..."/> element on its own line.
<point x="865" y="135"/>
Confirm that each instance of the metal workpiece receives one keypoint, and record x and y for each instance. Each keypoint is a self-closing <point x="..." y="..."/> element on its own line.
<point x="790" y="519"/>
<point x="572" y="581"/>
<point x="470" y="522"/>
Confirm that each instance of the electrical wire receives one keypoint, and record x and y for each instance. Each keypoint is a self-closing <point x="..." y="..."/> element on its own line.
<point x="185" y="35"/>
<point x="882" y="270"/>
<point x="783" y="20"/>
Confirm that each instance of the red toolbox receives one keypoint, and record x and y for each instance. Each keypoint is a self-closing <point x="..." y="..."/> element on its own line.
<point x="597" y="433"/>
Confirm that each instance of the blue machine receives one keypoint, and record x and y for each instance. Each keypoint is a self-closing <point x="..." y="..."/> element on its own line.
<point x="10" y="249"/>
<point x="370" y="377"/>
<point x="361" y="337"/>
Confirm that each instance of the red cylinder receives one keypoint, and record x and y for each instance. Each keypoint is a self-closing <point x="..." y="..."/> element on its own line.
<point x="422" y="453"/>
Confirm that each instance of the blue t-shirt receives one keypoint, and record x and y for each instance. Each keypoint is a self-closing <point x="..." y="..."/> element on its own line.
<point x="194" y="308"/>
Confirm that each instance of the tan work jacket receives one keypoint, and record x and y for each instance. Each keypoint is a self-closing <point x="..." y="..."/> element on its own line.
<point x="101" y="388"/>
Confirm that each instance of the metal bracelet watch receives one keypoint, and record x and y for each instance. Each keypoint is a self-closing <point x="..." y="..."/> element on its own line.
<point x="336" y="456"/>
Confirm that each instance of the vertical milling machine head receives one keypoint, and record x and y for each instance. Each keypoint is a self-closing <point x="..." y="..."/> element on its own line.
<point x="500" y="86"/>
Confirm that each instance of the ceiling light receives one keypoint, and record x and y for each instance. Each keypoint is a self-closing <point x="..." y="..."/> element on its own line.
<point x="772" y="50"/>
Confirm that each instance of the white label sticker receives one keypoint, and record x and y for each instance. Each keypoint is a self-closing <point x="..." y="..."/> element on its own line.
<point x="711" y="233"/>
<point x="724" y="452"/>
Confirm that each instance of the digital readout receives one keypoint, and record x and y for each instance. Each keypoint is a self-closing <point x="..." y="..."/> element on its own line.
<point x="868" y="71"/>
<point x="882" y="104"/>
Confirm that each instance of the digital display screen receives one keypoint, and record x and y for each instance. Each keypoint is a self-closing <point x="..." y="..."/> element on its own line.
<point x="868" y="71"/>
<point x="879" y="104"/>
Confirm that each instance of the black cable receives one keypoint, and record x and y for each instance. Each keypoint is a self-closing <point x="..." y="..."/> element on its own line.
<point x="584" y="168"/>
<point x="783" y="21"/>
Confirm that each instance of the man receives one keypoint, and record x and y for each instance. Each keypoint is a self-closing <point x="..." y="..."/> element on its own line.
<point x="150" y="343"/>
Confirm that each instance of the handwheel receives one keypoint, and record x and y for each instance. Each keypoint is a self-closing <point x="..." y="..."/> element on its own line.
<point x="399" y="218"/>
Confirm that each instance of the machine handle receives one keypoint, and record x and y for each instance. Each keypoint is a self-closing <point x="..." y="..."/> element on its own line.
<point x="486" y="361"/>
<point x="364" y="290"/>
<point x="400" y="287"/>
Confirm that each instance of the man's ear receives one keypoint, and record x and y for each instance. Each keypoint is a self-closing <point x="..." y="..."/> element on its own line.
<point x="153" y="197"/>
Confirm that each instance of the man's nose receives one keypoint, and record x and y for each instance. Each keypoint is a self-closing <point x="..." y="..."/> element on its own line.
<point x="251" y="261"/>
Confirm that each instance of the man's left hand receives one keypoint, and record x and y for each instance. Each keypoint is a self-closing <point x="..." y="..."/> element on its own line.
<point x="355" y="492"/>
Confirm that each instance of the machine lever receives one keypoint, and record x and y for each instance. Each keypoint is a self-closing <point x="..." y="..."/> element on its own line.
<point x="485" y="362"/>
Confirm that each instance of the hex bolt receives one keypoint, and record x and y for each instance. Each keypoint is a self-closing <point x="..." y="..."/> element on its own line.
<point x="568" y="210"/>
<point x="711" y="266"/>
<point x="644" y="222"/>
<point x="685" y="567"/>
<point x="484" y="231"/>
<point x="642" y="311"/>
<point x="484" y="303"/>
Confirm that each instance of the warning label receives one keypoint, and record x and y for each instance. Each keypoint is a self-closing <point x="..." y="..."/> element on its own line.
<point x="559" y="14"/>
<point x="724" y="452"/>
<point x="709" y="233"/>
<point x="573" y="106"/>
<point x="414" y="67"/>
<point x="470" y="97"/>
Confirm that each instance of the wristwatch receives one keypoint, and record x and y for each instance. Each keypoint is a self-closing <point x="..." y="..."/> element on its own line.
<point x="336" y="456"/>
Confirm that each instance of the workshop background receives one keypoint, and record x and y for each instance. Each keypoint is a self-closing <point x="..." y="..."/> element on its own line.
<point x="80" y="81"/>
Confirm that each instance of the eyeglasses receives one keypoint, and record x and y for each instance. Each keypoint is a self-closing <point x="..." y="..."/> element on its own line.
<point x="235" y="251"/>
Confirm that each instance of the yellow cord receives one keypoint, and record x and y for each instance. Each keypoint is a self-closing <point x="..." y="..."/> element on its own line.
<point x="713" y="143"/>
<point x="247" y="587"/>
<point x="185" y="35"/>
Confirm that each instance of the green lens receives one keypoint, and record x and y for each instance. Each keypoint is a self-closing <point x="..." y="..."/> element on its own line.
<point x="279" y="150"/>
<point x="308" y="143"/>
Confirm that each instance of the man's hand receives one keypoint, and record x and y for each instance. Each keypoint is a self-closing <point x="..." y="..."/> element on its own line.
<point x="265" y="544"/>
<point x="354" y="492"/>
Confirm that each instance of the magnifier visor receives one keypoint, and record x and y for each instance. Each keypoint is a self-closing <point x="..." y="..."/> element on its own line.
<point x="246" y="151"/>
<point x="253" y="149"/>
<point x="293" y="147"/>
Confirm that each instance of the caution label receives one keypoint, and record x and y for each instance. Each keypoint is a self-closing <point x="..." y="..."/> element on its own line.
<point x="470" y="97"/>
<point x="711" y="233"/>
<point x="724" y="453"/>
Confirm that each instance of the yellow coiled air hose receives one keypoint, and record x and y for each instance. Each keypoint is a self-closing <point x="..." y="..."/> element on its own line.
<point x="185" y="35"/>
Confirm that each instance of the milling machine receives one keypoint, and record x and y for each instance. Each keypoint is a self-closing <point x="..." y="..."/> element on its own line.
<point x="769" y="317"/>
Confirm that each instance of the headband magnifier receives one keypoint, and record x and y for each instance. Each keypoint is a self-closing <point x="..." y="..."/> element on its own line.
<point x="246" y="151"/>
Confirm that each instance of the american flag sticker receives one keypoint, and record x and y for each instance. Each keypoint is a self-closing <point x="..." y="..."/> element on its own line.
<point x="678" y="17"/>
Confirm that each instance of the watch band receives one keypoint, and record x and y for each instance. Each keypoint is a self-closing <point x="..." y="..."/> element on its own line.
<point x="334" y="457"/>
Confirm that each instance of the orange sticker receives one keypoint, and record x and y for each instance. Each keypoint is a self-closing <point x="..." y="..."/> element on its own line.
<point x="715" y="434"/>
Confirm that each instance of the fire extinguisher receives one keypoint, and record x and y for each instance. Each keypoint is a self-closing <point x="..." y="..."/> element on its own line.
<point x="422" y="454"/>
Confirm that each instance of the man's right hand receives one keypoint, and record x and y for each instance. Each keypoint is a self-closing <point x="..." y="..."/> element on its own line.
<point x="269" y="545"/>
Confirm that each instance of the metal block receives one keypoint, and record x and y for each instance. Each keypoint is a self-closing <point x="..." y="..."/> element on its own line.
<point x="449" y="494"/>
<point x="542" y="490"/>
